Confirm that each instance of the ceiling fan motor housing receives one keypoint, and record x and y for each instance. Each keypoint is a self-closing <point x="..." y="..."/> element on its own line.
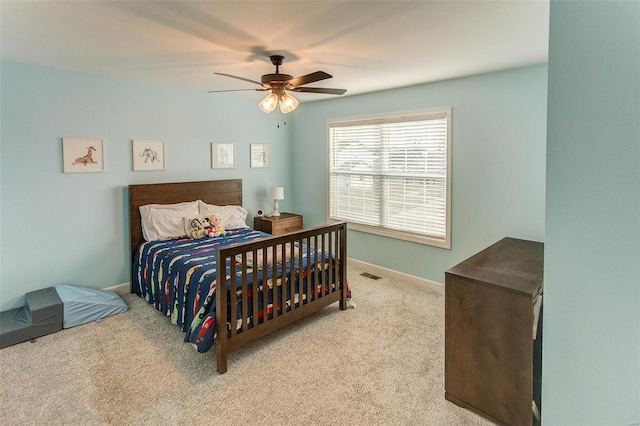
<point x="275" y="78"/>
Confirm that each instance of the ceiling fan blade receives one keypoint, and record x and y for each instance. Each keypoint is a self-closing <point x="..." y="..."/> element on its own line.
<point x="309" y="78"/>
<point x="238" y="90"/>
<point x="239" y="78"/>
<point x="324" y="90"/>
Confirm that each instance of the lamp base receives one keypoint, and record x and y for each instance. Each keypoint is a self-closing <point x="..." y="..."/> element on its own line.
<point x="275" y="209"/>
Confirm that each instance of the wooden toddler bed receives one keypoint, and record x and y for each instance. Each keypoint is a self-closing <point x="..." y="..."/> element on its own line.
<point x="277" y="280"/>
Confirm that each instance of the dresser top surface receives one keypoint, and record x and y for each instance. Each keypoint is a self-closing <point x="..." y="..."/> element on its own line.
<point x="511" y="264"/>
<point x="282" y="216"/>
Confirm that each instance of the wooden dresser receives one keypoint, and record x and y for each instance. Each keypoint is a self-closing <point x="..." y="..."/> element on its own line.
<point x="493" y="332"/>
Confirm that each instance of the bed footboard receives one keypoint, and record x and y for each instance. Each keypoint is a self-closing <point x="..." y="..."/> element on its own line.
<point x="308" y="273"/>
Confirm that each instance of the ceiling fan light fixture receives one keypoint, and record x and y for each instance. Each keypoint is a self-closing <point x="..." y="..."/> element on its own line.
<point x="288" y="103"/>
<point x="277" y="83"/>
<point x="269" y="103"/>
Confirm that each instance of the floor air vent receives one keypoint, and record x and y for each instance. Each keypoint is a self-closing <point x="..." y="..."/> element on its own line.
<point x="368" y="275"/>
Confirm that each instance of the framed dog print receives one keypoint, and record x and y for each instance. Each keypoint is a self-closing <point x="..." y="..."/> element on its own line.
<point x="148" y="155"/>
<point x="223" y="155"/>
<point x="82" y="155"/>
<point x="260" y="155"/>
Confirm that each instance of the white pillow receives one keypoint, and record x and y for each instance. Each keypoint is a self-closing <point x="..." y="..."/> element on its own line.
<point x="165" y="221"/>
<point x="233" y="217"/>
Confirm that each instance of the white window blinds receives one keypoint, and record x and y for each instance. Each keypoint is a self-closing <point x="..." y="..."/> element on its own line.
<point x="389" y="175"/>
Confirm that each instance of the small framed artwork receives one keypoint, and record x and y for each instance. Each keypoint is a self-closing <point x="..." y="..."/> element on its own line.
<point x="148" y="155"/>
<point x="260" y="155"/>
<point x="82" y="155"/>
<point x="223" y="155"/>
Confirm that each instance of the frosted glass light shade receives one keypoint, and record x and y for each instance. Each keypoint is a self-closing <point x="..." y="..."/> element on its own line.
<point x="269" y="103"/>
<point x="288" y="103"/>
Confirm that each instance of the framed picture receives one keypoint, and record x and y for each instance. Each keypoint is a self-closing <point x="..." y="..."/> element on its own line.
<point x="223" y="155"/>
<point x="260" y="155"/>
<point x="82" y="155"/>
<point x="148" y="155"/>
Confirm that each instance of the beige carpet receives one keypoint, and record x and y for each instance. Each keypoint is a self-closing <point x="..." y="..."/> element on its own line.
<point x="381" y="363"/>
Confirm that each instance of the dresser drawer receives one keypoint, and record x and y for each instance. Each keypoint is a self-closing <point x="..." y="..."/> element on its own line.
<point x="285" y="226"/>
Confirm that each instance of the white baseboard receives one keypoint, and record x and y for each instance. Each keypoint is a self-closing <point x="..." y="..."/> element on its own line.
<point x="386" y="272"/>
<point x="121" y="289"/>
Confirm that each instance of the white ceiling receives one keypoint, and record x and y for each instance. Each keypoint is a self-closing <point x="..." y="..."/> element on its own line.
<point x="366" y="45"/>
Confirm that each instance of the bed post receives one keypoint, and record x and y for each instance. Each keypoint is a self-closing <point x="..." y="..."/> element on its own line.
<point x="342" y="266"/>
<point x="221" y="315"/>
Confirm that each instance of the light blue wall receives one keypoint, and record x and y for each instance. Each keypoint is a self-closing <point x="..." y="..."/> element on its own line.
<point x="73" y="228"/>
<point x="498" y="164"/>
<point x="591" y="358"/>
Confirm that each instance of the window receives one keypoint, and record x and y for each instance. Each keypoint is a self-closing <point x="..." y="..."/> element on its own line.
<point x="389" y="175"/>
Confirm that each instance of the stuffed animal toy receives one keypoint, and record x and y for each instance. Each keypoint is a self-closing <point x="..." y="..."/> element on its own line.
<point x="197" y="231"/>
<point x="207" y="228"/>
<point x="215" y="228"/>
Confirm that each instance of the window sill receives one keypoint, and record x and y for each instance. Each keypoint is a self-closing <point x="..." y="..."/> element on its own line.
<point x="400" y="235"/>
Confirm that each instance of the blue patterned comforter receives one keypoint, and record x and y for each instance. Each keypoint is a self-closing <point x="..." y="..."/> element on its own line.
<point x="178" y="277"/>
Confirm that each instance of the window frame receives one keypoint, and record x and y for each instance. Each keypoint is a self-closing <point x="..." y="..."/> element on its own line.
<point x="396" y="117"/>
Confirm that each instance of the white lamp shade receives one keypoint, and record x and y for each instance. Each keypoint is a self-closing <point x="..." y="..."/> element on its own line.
<point x="276" y="193"/>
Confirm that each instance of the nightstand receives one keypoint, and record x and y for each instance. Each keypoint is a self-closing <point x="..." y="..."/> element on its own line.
<point x="278" y="225"/>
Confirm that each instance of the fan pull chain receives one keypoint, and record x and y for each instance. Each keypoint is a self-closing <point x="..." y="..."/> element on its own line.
<point x="284" y="123"/>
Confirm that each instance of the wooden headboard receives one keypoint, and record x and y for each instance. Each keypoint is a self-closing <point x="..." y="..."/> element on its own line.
<point x="218" y="192"/>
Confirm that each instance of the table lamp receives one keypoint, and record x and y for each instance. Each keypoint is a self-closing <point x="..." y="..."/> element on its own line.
<point x="277" y="193"/>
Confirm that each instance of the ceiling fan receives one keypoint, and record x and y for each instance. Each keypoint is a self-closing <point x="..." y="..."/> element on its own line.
<point x="280" y="83"/>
